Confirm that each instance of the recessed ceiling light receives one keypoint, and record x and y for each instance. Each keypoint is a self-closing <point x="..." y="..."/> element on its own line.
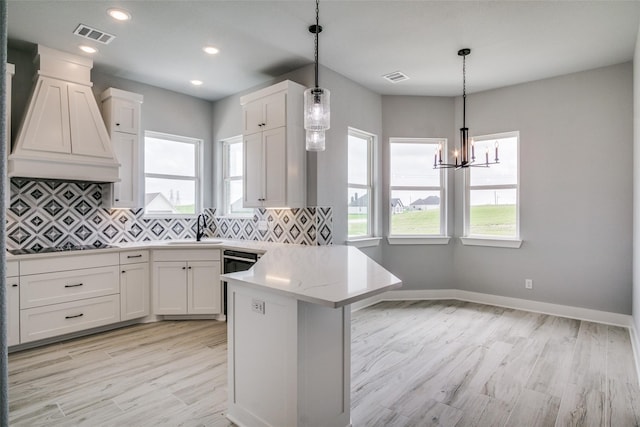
<point x="119" y="14"/>
<point x="88" y="49"/>
<point x="196" y="82"/>
<point x="210" y="50"/>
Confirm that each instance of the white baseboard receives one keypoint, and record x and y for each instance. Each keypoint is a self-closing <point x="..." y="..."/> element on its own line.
<point x="579" y="313"/>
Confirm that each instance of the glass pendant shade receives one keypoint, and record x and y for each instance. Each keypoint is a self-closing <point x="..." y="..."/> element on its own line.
<point x="317" y="115"/>
<point x="315" y="140"/>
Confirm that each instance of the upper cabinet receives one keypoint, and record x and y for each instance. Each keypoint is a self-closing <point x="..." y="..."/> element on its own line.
<point x="274" y="147"/>
<point x="122" y="111"/>
<point x="265" y="113"/>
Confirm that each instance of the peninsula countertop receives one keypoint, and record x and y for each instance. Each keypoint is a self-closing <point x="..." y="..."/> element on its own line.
<point x="333" y="276"/>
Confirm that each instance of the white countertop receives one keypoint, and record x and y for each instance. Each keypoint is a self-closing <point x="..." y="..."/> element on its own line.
<point x="332" y="275"/>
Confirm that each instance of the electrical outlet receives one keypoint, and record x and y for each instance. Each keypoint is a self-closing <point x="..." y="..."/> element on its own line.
<point x="257" y="305"/>
<point x="263" y="225"/>
<point x="528" y="284"/>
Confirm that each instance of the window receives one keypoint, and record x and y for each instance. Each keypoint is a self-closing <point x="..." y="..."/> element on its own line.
<point x="417" y="190"/>
<point x="172" y="169"/>
<point x="359" y="184"/>
<point x="491" y="198"/>
<point x="232" y="158"/>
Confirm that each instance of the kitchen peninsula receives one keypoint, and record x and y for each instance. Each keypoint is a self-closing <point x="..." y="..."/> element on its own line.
<point x="289" y="334"/>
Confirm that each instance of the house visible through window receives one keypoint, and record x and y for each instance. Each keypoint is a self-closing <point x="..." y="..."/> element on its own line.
<point x="417" y="190"/>
<point x="360" y="184"/>
<point x="491" y="198"/>
<point x="232" y="156"/>
<point x="172" y="170"/>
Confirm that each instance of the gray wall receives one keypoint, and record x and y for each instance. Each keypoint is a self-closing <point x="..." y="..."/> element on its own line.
<point x="576" y="141"/>
<point x="162" y="111"/>
<point x="419" y="266"/>
<point x="575" y="188"/>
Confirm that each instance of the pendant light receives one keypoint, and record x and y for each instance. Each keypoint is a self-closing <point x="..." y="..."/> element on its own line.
<point x="466" y="157"/>
<point x="316" y="101"/>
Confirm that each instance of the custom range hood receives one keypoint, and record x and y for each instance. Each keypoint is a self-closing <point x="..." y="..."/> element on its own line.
<point x="62" y="135"/>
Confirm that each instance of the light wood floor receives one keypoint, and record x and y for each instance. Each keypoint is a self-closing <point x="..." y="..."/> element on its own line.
<point x="442" y="363"/>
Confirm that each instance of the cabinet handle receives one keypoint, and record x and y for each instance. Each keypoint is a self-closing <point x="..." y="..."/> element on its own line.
<point x="184" y="268"/>
<point x="117" y="124"/>
<point x="73" y="317"/>
<point x="189" y="267"/>
<point x="14" y="285"/>
<point x="134" y="256"/>
<point x="73" y="286"/>
<point x="117" y="200"/>
<point x="123" y="271"/>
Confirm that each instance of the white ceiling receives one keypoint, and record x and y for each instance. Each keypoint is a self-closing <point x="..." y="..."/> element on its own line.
<point x="511" y="41"/>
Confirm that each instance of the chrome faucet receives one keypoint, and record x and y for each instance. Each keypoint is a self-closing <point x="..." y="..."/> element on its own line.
<point x="200" y="227"/>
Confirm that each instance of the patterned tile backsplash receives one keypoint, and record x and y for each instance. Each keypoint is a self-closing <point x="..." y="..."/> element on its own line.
<point x="55" y="213"/>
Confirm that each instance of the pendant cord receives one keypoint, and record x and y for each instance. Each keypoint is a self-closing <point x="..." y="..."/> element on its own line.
<point x="464" y="91"/>
<point x="316" y="38"/>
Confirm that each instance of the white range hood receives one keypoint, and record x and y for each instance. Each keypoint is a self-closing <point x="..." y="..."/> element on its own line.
<point x="62" y="135"/>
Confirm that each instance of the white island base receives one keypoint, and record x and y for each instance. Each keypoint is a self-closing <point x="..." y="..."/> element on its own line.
<point x="288" y="366"/>
<point x="289" y="334"/>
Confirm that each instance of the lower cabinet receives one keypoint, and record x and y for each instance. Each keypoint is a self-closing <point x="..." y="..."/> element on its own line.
<point x="182" y="286"/>
<point x="57" y="297"/>
<point x="134" y="284"/>
<point x="13" y="303"/>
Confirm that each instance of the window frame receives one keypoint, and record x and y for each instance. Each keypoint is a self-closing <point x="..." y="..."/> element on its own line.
<point x="442" y="237"/>
<point x="370" y="187"/>
<point x="484" y="239"/>
<point x="197" y="178"/>
<point x="227" y="178"/>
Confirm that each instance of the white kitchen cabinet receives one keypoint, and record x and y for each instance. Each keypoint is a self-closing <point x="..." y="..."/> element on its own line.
<point x="265" y="179"/>
<point x="10" y="72"/>
<point x="186" y="282"/>
<point x="13" y="303"/>
<point x="122" y="111"/>
<point x="265" y="113"/>
<point x="57" y="297"/>
<point x="274" y="148"/>
<point x="134" y="284"/>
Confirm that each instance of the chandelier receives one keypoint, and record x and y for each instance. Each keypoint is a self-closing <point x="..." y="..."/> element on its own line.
<point x="466" y="157"/>
<point x="316" y="102"/>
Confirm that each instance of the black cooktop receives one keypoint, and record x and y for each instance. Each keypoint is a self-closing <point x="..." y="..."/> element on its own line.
<point x="42" y="250"/>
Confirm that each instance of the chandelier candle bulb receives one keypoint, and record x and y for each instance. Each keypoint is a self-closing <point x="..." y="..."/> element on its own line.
<point x="496" y="151"/>
<point x="473" y="150"/>
<point x="486" y="156"/>
<point x="440" y="152"/>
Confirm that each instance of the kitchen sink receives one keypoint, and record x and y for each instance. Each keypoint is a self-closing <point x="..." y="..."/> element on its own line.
<point x="205" y="242"/>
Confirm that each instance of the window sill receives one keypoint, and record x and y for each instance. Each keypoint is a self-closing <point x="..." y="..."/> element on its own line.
<point x="418" y="240"/>
<point x="364" y="243"/>
<point x="491" y="241"/>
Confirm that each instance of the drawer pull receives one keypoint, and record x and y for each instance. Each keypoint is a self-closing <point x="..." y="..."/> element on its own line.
<point x="73" y="286"/>
<point x="14" y="285"/>
<point x="124" y="271"/>
<point x="134" y="256"/>
<point x="73" y="317"/>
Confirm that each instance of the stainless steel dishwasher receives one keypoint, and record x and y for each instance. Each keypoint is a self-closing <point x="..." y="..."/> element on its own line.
<point x="233" y="261"/>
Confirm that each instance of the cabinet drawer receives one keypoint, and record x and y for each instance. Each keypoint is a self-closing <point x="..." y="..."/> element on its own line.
<point x="51" y="288"/>
<point x="44" y="322"/>
<point x="133" y="257"/>
<point x="68" y="262"/>
<point x="12" y="268"/>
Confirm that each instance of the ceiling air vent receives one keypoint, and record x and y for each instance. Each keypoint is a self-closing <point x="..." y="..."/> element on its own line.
<point x="93" y="34"/>
<point x="396" y="76"/>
